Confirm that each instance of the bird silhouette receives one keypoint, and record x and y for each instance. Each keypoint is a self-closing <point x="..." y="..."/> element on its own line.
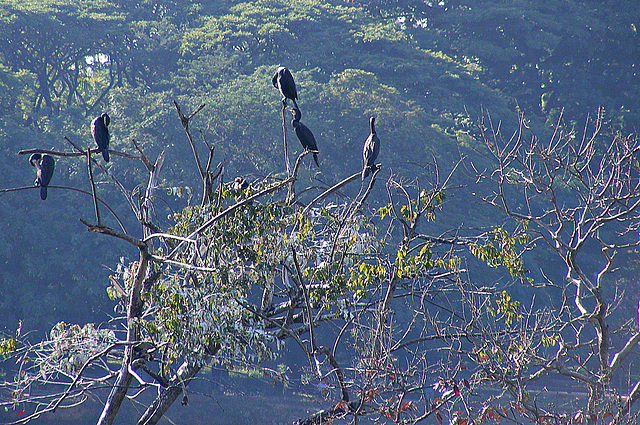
<point x="239" y="183"/>
<point x="370" y="150"/>
<point x="44" y="171"/>
<point x="305" y="136"/>
<point x="100" y="131"/>
<point x="283" y="81"/>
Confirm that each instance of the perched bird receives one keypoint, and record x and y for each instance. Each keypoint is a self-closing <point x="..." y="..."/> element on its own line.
<point x="283" y="81"/>
<point x="44" y="165"/>
<point x="305" y="135"/>
<point x="239" y="184"/>
<point x="100" y="131"/>
<point x="370" y="150"/>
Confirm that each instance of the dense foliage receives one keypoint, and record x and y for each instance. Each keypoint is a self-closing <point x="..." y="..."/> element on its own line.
<point x="426" y="70"/>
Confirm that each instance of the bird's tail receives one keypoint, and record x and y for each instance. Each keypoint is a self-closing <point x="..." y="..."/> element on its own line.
<point x="295" y="104"/>
<point x="315" y="158"/>
<point x="43" y="192"/>
<point x="105" y="154"/>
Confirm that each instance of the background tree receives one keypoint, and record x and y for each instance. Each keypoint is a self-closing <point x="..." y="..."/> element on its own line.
<point x="578" y="194"/>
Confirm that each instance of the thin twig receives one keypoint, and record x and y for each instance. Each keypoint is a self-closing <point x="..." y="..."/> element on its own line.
<point x="331" y="190"/>
<point x="93" y="189"/>
<point x="185" y="124"/>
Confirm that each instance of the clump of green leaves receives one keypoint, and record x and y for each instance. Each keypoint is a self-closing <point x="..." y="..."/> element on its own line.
<point x="506" y="309"/>
<point x="502" y="248"/>
<point x="8" y="346"/>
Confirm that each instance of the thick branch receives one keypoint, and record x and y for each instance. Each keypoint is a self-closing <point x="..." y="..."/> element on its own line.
<point x="169" y="394"/>
<point x="331" y="190"/>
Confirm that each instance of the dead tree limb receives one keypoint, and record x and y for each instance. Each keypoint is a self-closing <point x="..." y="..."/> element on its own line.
<point x="93" y="190"/>
<point x="185" y="124"/>
<point x="284" y="136"/>
<point x="134" y="311"/>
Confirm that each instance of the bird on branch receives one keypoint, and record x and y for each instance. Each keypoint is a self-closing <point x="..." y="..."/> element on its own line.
<point x="305" y="136"/>
<point x="44" y="171"/>
<point x="100" y="131"/>
<point x="283" y="81"/>
<point x="370" y="150"/>
<point x="239" y="183"/>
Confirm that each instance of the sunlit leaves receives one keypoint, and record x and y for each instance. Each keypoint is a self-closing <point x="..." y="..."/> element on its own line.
<point x="506" y="309"/>
<point x="549" y="341"/>
<point x="245" y="249"/>
<point x="7" y="346"/>
<point x="180" y="191"/>
<point x="51" y="40"/>
<point x="380" y="31"/>
<point x="264" y="26"/>
<point x="503" y="250"/>
<point x="195" y="310"/>
<point x="363" y="275"/>
<point x="410" y="266"/>
<point x="361" y="90"/>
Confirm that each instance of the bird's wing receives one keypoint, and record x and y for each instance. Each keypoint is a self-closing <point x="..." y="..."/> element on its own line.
<point x="289" y="85"/>
<point x="100" y="134"/>
<point x="376" y="148"/>
<point x="309" y="139"/>
<point x="368" y="151"/>
<point x="47" y="167"/>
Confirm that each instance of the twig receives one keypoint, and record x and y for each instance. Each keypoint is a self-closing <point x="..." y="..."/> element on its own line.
<point x="93" y="189"/>
<point x="15" y="189"/>
<point x="185" y="124"/>
<point x="143" y="157"/>
<point x="64" y="395"/>
<point x="74" y="154"/>
<point x="331" y="190"/>
<point x="291" y="192"/>
<point x="109" y="231"/>
<point x="284" y="132"/>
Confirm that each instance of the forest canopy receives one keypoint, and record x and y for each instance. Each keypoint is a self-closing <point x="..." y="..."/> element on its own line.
<point x="453" y="85"/>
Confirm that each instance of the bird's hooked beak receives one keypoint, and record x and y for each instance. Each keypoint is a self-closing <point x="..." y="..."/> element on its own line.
<point x="34" y="158"/>
<point x="297" y="115"/>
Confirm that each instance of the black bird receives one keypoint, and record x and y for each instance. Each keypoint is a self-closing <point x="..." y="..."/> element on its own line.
<point x="283" y="81"/>
<point x="305" y="135"/>
<point x="239" y="184"/>
<point x="370" y="150"/>
<point x="100" y="131"/>
<point x="44" y="165"/>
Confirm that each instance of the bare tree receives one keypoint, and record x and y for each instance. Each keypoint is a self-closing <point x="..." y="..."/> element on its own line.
<point x="578" y="192"/>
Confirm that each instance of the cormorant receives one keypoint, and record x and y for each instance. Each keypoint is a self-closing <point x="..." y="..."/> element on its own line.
<point x="100" y="131"/>
<point x="370" y="150"/>
<point x="239" y="184"/>
<point x="305" y="135"/>
<point x="44" y="165"/>
<point x="283" y="81"/>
